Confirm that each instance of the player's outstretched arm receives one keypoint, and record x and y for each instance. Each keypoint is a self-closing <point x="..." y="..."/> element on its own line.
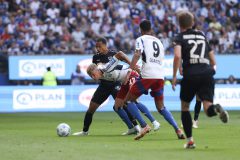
<point x="122" y="57"/>
<point x="176" y="64"/>
<point x="212" y="60"/>
<point x="135" y="59"/>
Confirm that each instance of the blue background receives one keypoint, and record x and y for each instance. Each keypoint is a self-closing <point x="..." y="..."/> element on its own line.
<point x="226" y="65"/>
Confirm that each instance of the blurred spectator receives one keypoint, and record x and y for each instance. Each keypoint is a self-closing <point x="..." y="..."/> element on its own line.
<point x="231" y="80"/>
<point x="62" y="48"/>
<point x="34" y="6"/>
<point x="215" y="25"/>
<point x="236" y="44"/>
<point x="77" y="77"/>
<point x="53" y="11"/>
<point x="78" y="36"/>
<point x="165" y="41"/>
<point x="76" y="48"/>
<point x="124" y="11"/>
<point x="14" y="49"/>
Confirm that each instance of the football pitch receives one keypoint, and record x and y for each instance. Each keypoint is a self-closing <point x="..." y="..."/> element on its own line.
<point x="32" y="136"/>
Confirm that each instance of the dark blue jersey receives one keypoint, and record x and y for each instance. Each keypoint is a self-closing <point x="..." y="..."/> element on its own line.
<point x="195" y="53"/>
<point x="103" y="58"/>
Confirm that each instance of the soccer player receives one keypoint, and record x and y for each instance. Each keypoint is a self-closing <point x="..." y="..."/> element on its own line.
<point x="151" y="50"/>
<point x="112" y="73"/>
<point x="104" y="90"/>
<point x="192" y="51"/>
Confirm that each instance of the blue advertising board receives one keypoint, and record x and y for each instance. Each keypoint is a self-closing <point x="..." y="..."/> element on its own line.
<point x="77" y="98"/>
<point x="33" y="67"/>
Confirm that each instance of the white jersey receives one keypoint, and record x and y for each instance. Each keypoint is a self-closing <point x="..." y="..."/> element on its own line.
<point x="152" y="52"/>
<point x="114" y="72"/>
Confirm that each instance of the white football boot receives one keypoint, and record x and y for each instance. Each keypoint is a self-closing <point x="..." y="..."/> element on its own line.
<point x="82" y="133"/>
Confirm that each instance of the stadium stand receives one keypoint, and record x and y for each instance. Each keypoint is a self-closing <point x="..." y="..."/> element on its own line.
<point x="43" y="27"/>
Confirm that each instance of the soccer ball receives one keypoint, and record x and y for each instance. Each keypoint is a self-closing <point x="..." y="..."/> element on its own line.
<point x="63" y="130"/>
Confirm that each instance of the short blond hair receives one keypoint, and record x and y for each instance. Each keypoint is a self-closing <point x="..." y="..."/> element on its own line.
<point x="91" y="68"/>
<point x="185" y="19"/>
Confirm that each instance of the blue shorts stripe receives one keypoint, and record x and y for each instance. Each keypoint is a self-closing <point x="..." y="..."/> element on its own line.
<point x="157" y="94"/>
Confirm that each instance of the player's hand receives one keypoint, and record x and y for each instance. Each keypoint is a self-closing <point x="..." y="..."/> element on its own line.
<point x="174" y="82"/>
<point x="137" y="68"/>
<point x="181" y="71"/>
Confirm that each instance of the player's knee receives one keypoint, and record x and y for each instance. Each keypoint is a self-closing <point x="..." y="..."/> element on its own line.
<point x="115" y="108"/>
<point x="185" y="105"/>
<point x="90" y="111"/>
<point x="210" y="112"/>
<point x="160" y="108"/>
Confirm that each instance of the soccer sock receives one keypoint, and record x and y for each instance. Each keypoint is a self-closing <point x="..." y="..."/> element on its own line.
<point x="168" y="117"/>
<point x="197" y="110"/>
<point x="134" y="121"/>
<point x="187" y="123"/>
<point x="87" y="121"/>
<point x="145" y="111"/>
<point x="121" y="113"/>
<point x="211" y="111"/>
<point x="132" y="108"/>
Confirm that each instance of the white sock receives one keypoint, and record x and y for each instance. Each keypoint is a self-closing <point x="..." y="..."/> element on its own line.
<point x="190" y="139"/>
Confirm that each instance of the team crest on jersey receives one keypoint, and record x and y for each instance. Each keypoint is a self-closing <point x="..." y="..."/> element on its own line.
<point x="118" y="88"/>
<point x="137" y="45"/>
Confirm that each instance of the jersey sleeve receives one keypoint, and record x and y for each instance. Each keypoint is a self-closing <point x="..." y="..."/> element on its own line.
<point x="177" y="40"/>
<point x="94" y="59"/>
<point x="209" y="48"/>
<point x="139" y="44"/>
<point x="113" y="62"/>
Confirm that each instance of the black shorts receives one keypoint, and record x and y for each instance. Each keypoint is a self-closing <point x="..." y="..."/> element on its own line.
<point x="104" y="90"/>
<point x="203" y="86"/>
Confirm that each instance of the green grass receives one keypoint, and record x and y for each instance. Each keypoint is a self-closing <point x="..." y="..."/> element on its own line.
<point x="32" y="136"/>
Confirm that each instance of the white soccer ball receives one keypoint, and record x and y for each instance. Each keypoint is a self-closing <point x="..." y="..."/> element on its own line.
<point x="63" y="130"/>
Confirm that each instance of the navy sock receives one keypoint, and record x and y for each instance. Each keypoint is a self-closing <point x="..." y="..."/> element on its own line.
<point x="145" y="111"/>
<point x="121" y="112"/>
<point x="87" y="121"/>
<point x="168" y="117"/>
<point x="132" y="108"/>
<point x="197" y="110"/>
<point x="211" y="111"/>
<point x="134" y="121"/>
<point x="187" y="123"/>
